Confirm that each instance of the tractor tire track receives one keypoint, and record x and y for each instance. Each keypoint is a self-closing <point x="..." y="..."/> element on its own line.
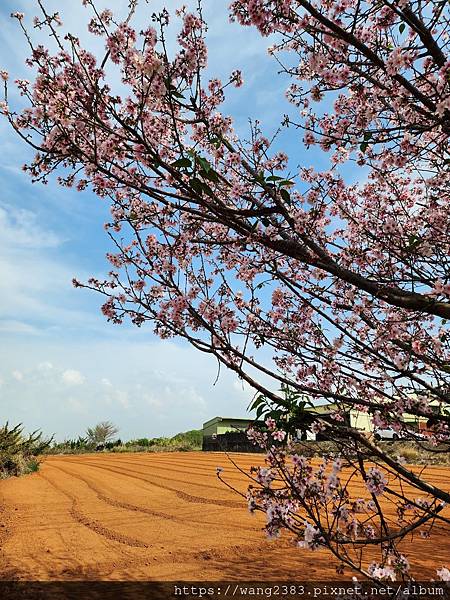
<point x="163" y="466"/>
<point x="182" y="495"/>
<point x="92" y="524"/>
<point x="182" y="481"/>
<point x="133" y="507"/>
<point x="67" y="524"/>
<point x="117" y="503"/>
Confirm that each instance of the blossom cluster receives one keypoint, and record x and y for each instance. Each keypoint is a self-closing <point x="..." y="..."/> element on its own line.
<point x="334" y="286"/>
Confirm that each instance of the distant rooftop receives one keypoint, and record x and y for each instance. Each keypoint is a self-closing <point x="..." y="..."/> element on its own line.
<point x="240" y="419"/>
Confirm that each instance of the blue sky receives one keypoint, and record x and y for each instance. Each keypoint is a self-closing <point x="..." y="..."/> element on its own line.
<point x="62" y="366"/>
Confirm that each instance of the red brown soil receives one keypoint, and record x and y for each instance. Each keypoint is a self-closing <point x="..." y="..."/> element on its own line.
<point x="156" y="517"/>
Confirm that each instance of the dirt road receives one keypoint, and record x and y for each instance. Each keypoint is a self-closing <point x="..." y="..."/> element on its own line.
<point x="150" y="517"/>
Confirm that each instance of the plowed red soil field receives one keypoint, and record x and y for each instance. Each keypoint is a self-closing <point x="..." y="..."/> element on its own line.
<point x="155" y="517"/>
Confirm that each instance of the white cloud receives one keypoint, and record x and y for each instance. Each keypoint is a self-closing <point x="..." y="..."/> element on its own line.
<point x="21" y="228"/>
<point x="13" y="326"/>
<point x="18" y="375"/>
<point x="76" y="405"/>
<point x="45" y="366"/>
<point x="153" y="389"/>
<point x="73" y="377"/>
<point x="178" y="396"/>
<point x="153" y="401"/>
<point x="79" y="371"/>
<point x="37" y="283"/>
<point x="122" y="398"/>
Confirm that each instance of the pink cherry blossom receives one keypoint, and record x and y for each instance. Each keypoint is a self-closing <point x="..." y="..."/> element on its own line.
<point x="279" y="435"/>
<point x="443" y="573"/>
<point x="271" y="424"/>
<point x="326" y="278"/>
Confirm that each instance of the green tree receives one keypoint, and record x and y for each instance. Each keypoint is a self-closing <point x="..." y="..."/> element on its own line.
<point x="102" y="433"/>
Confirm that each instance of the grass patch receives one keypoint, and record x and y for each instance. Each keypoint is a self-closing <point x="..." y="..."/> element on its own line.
<point x="413" y="453"/>
<point x="418" y="453"/>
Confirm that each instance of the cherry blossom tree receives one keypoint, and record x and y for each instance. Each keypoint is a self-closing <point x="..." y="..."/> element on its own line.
<point x="333" y="284"/>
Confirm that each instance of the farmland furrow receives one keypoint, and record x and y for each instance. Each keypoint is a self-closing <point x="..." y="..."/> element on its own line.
<point x="93" y="524"/>
<point x="185" y="482"/>
<point x="167" y="467"/>
<point x="183" y="495"/>
<point x="160" y="517"/>
<point x="133" y="507"/>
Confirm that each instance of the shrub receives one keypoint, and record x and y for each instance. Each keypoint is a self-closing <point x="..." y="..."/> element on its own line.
<point x="181" y="442"/>
<point x="143" y="442"/>
<point x="18" y="452"/>
<point x="192" y="438"/>
<point x="71" y="446"/>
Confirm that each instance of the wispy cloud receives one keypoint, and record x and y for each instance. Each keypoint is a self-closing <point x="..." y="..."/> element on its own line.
<point x="62" y="367"/>
<point x="73" y="377"/>
<point x="147" y="389"/>
<point x="21" y="229"/>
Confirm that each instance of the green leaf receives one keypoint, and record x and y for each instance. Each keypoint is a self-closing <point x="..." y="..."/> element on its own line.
<point x="402" y="27"/>
<point x="363" y="147"/>
<point x="287" y="182"/>
<point x="276" y="414"/>
<point x="204" y="164"/>
<point x="260" y="411"/>
<point x="182" y="163"/>
<point x="413" y="242"/>
<point x="201" y="187"/>
<point x="259" y="400"/>
<point x="196" y="185"/>
<point x="207" y="189"/>
<point x="211" y="175"/>
<point x="260" y="179"/>
<point x="285" y="195"/>
<point x="215" y="141"/>
<point x="301" y="406"/>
